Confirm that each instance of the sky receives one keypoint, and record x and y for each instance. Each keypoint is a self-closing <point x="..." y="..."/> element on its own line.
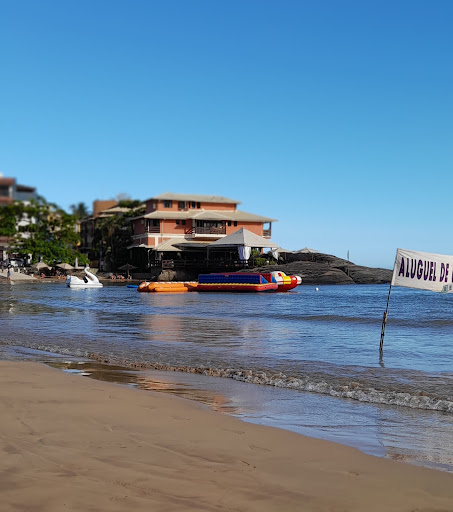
<point x="333" y="116"/>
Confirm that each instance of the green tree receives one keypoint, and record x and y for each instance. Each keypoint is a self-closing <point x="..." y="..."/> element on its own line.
<point x="80" y="210"/>
<point x="41" y="229"/>
<point x="9" y="216"/>
<point x="114" y="234"/>
<point x="129" y="203"/>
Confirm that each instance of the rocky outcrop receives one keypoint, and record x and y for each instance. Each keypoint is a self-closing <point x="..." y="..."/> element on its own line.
<point x="314" y="268"/>
<point x="319" y="268"/>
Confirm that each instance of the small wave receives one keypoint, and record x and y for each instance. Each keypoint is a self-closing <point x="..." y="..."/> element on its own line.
<point x="352" y="390"/>
<point x="315" y="381"/>
<point x="420" y="322"/>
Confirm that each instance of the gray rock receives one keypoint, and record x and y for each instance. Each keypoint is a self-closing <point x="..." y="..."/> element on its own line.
<point x="314" y="269"/>
<point x="322" y="268"/>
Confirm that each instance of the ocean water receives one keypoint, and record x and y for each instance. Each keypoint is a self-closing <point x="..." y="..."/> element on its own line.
<point x="314" y="354"/>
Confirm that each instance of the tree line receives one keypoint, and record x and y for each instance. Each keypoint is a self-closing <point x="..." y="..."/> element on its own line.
<point x="48" y="233"/>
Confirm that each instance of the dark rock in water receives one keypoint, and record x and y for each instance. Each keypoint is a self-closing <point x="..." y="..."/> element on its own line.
<point x="366" y="275"/>
<point x="319" y="268"/>
<point x="311" y="272"/>
<point x="314" y="268"/>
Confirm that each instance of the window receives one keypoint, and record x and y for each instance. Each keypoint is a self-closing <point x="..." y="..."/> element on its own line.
<point x="155" y="223"/>
<point x="193" y="204"/>
<point x="177" y="222"/>
<point x="181" y="205"/>
<point x="183" y="222"/>
<point x="229" y="223"/>
<point x="168" y="204"/>
<point x="235" y="223"/>
<point x="198" y="205"/>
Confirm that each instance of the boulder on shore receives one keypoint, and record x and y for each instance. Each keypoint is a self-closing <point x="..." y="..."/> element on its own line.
<point x="314" y="268"/>
<point x="320" y="268"/>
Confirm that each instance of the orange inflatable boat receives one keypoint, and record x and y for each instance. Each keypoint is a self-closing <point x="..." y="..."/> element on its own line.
<point x="167" y="286"/>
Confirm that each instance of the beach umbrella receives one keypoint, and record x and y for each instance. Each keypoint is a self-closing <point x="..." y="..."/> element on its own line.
<point x="65" y="266"/>
<point x="40" y="265"/>
<point x="127" y="267"/>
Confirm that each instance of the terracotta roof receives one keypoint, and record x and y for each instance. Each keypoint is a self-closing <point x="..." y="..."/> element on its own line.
<point x="218" y="215"/>
<point x="169" y="196"/>
<point x="25" y="188"/>
<point x="7" y="181"/>
<point x="164" y="215"/>
<point x="113" y="211"/>
<point x="238" y="215"/>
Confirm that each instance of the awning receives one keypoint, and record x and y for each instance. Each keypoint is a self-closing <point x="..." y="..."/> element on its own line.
<point x="167" y="246"/>
<point x="180" y="245"/>
<point x="245" y="238"/>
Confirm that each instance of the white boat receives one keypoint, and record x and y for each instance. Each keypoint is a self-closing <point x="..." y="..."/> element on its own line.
<point x="89" y="280"/>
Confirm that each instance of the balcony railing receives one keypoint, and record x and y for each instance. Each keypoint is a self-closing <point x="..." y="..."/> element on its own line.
<point x="152" y="229"/>
<point x="267" y="233"/>
<point x="207" y="231"/>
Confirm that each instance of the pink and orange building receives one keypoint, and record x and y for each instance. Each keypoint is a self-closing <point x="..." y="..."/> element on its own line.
<point x="184" y="218"/>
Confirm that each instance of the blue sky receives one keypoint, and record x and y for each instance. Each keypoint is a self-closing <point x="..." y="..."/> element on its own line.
<point x="335" y="117"/>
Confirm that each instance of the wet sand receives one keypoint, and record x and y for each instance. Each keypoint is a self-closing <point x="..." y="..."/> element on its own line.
<point x="69" y="443"/>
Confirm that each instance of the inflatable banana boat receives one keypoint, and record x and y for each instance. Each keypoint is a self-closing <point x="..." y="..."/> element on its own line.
<point x="235" y="282"/>
<point x="167" y="287"/>
<point x="284" y="282"/>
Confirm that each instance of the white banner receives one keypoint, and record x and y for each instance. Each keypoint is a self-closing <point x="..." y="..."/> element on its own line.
<point x="422" y="270"/>
<point x="244" y="252"/>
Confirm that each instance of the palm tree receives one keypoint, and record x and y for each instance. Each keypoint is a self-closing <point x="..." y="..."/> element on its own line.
<point x="80" y="210"/>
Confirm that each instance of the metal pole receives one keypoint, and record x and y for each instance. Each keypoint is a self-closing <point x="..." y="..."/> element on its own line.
<point x="384" y="322"/>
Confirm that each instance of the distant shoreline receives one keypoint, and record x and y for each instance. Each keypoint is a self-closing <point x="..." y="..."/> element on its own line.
<point x="314" y="268"/>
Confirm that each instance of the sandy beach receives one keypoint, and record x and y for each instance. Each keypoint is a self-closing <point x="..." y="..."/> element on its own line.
<point x="72" y="443"/>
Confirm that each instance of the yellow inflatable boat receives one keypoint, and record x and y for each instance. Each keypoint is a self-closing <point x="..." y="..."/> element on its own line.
<point x="167" y="287"/>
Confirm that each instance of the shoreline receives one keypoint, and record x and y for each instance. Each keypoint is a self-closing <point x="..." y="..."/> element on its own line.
<point x="68" y="441"/>
<point x="397" y="433"/>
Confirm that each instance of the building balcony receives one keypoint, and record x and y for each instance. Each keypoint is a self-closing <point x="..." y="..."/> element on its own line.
<point x="206" y="231"/>
<point x="267" y="233"/>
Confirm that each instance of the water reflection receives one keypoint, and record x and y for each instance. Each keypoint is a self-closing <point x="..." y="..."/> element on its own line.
<point x="422" y="438"/>
<point x="193" y="329"/>
<point x="149" y="382"/>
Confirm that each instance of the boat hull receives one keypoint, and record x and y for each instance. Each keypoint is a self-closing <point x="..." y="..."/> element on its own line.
<point x="236" y="287"/>
<point x="85" y="285"/>
<point x="285" y="283"/>
<point x="167" y="287"/>
<point x="88" y="281"/>
<point x="235" y="282"/>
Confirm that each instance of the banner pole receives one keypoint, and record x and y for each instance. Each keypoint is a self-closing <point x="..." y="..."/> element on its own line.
<point x="384" y="322"/>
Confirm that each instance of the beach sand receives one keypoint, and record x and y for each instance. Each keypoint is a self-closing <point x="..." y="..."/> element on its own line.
<point x="77" y="444"/>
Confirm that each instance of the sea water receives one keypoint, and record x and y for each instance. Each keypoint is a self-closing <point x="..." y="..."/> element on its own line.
<point x="306" y="360"/>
